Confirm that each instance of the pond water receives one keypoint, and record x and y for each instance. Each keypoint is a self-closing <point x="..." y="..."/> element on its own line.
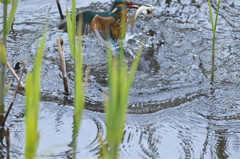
<point x="174" y="111"/>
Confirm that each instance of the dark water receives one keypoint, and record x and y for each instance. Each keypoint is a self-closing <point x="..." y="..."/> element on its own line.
<point x="174" y="111"/>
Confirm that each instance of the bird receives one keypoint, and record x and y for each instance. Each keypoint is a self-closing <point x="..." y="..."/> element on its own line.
<point x="105" y="25"/>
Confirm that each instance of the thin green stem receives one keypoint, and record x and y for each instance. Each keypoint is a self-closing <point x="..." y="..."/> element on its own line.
<point x="3" y="66"/>
<point x="211" y="16"/>
<point x="217" y="13"/>
<point x="213" y="57"/>
<point x="74" y="23"/>
<point x="79" y="91"/>
<point x="214" y="30"/>
<point x="2" y="87"/>
<point x="4" y="22"/>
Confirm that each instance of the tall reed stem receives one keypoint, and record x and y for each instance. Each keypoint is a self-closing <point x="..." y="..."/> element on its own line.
<point x="214" y="28"/>
<point x="213" y="57"/>
<point x="32" y="93"/>
<point x="76" y="52"/>
<point x="3" y="66"/>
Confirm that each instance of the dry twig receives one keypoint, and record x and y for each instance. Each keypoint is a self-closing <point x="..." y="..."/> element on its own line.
<point x="15" y="94"/>
<point x="63" y="64"/>
<point x="15" y="75"/>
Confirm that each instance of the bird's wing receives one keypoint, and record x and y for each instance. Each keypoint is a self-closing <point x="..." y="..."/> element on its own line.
<point x="86" y="25"/>
<point x="86" y="28"/>
<point x="84" y="22"/>
<point x="103" y="28"/>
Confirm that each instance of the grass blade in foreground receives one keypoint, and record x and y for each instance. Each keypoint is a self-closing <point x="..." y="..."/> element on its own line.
<point x="12" y="15"/>
<point x="7" y="22"/>
<point x="71" y="36"/>
<point x="119" y="82"/>
<point x="116" y="104"/>
<point x="3" y="61"/>
<point x="79" y="90"/>
<point x="32" y="101"/>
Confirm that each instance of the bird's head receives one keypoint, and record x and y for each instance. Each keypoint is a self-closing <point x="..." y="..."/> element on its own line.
<point x="118" y="5"/>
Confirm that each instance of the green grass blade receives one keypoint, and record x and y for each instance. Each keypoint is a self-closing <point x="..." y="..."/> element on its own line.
<point x="30" y="121"/>
<point x="12" y="15"/>
<point x="5" y="1"/>
<point x="74" y="18"/>
<point x="105" y="153"/>
<point x="3" y="53"/>
<point x="217" y="13"/>
<point x="32" y="94"/>
<point x="211" y="15"/>
<point x="2" y="87"/>
<point x="79" y="91"/>
<point x="71" y="37"/>
<point x="3" y="60"/>
<point x="119" y="82"/>
<point x="5" y="22"/>
<point x="214" y="29"/>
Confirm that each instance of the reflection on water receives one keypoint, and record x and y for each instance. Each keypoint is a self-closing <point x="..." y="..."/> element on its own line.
<point x="173" y="110"/>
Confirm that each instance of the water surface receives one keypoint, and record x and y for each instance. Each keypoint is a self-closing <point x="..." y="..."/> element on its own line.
<point x="174" y="111"/>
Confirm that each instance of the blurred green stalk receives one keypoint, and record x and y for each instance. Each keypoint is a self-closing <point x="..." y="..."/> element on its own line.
<point x="2" y="65"/>
<point x="7" y="23"/>
<point x="119" y="81"/>
<point x="116" y="104"/>
<point x="214" y="28"/>
<point x="32" y="93"/>
<point x="76" y="52"/>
